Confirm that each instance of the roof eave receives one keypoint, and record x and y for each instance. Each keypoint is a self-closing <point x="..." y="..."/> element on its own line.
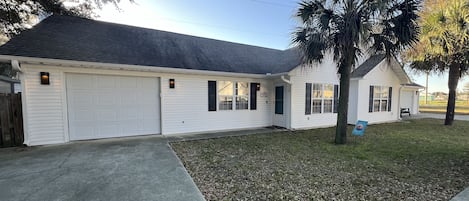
<point x="99" y="65"/>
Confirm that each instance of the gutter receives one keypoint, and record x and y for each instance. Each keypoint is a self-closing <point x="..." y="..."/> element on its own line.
<point x="87" y="64"/>
<point x="285" y="80"/>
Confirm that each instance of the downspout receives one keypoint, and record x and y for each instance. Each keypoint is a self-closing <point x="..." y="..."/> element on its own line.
<point x="399" y="103"/>
<point x="285" y="80"/>
<point x="289" y="102"/>
<point x="15" y="65"/>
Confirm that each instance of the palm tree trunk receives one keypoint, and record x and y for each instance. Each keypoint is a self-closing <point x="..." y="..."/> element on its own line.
<point x="453" y="78"/>
<point x="341" y="129"/>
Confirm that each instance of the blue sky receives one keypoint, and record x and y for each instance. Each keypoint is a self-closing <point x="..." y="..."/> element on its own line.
<point x="265" y="23"/>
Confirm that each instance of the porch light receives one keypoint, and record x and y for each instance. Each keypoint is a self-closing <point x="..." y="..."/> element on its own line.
<point x="172" y="83"/>
<point x="258" y="87"/>
<point x="44" y="78"/>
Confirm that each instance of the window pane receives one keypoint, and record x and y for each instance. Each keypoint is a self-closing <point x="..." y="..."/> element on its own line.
<point x="384" y="92"/>
<point x="328" y="106"/>
<point x="317" y="90"/>
<point x="317" y="105"/>
<point x="242" y="103"/>
<point x="377" y="92"/>
<point x="225" y="102"/>
<point x="225" y="95"/>
<point x="376" y="106"/>
<point x="329" y="91"/>
<point x="384" y="105"/>
<point x="225" y="88"/>
<point x="242" y="95"/>
<point x="242" y="89"/>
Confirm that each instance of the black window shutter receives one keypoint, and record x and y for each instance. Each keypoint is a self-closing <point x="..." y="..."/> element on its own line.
<point x="308" y="98"/>
<point x="212" y="95"/>
<point x="253" y="96"/>
<point x="390" y="98"/>
<point x="370" y="106"/>
<point x="336" y="98"/>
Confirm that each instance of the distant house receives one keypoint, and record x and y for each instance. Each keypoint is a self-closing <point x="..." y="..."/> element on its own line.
<point x="9" y="85"/>
<point x="85" y="79"/>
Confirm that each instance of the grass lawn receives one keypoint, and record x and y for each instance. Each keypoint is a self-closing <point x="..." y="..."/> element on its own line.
<point x="412" y="160"/>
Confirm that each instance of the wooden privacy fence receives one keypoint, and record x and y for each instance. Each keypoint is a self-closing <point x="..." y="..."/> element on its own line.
<point x="11" y="120"/>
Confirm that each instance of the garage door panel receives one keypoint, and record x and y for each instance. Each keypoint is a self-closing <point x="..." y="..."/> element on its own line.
<point x="83" y="83"/>
<point x="106" y="82"/>
<point x="102" y="106"/>
<point x="128" y="82"/>
<point x="83" y="115"/>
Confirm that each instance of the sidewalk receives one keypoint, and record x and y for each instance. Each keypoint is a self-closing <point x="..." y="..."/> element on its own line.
<point x="436" y="116"/>
<point x="189" y="137"/>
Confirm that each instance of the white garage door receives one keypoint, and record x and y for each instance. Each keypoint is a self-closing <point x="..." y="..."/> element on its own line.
<point x="101" y="106"/>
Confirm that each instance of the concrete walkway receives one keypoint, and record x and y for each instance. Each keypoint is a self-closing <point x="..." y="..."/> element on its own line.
<point x="436" y="116"/>
<point x="142" y="168"/>
<point x="202" y="136"/>
<point x="463" y="196"/>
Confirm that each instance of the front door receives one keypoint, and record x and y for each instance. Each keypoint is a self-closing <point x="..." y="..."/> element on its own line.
<point x="279" y="118"/>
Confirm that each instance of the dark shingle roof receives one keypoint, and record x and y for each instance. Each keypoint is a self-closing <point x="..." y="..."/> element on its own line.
<point x="368" y="65"/>
<point x="79" y="39"/>
<point x="413" y="84"/>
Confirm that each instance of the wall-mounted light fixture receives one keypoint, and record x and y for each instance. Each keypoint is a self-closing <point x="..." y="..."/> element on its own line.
<point x="44" y="78"/>
<point x="172" y="83"/>
<point x="258" y="87"/>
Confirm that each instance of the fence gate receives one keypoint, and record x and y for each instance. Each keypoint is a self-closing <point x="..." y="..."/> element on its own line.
<point x="11" y="120"/>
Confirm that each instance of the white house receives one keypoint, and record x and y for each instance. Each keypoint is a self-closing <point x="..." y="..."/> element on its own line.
<point x="85" y="79"/>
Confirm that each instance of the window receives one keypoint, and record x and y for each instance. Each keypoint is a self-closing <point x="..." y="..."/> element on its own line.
<point x="225" y="95"/>
<point x="324" y="98"/>
<point x="231" y="95"/>
<point x="380" y="98"/>
<point x="242" y="95"/>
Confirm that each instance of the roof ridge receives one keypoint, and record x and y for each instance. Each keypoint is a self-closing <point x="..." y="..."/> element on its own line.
<point x="159" y="30"/>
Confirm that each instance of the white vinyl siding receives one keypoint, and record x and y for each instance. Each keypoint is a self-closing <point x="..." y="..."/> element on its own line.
<point x="324" y="73"/>
<point x="43" y="106"/>
<point x="183" y="109"/>
<point x="379" y="76"/>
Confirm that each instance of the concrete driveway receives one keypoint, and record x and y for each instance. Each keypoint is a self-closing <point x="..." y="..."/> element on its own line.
<point x="142" y="168"/>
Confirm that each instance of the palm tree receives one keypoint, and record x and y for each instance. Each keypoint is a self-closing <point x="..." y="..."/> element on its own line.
<point x="443" y="44"/>
<point x="349" y="28"/>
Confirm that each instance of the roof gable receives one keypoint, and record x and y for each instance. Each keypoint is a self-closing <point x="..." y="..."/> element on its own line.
<point x="79" y="39"/>
<point x="374" y="61"/>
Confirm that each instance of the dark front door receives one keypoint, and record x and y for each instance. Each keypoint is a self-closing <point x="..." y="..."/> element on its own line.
<point x="279" y="100"/>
